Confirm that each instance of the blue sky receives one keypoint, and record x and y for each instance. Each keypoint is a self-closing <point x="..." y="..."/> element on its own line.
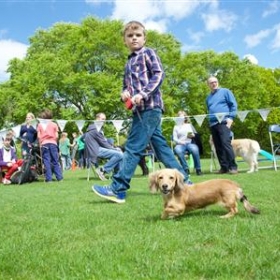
<point x="244" y="27"/>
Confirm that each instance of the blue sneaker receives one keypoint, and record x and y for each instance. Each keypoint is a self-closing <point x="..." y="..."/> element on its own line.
<point x="189" y="182"/>
<point x="107" y="193"/>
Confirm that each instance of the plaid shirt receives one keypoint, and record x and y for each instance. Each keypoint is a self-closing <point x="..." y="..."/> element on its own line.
<point x="144" y="75"/>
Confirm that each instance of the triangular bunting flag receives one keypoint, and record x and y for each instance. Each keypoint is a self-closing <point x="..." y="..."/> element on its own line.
<point x="179" y="120"/>
<point x="117" y="124"/>
<point x="61" y="124"/>
<point x="242" y="115"/>
<point x="98" y="124"/>
<point x="44" y="123"/>
<point x="199" y="119"/>
<point x="16" y="130"/>
<point x="264" y="113"/>
<point x="34" y="123"/>
<point x="220" y="116"/>
<point x="80" y="124"/>
<point x="2" y="136"/>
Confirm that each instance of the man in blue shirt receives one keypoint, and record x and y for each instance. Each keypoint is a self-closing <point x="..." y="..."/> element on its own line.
<point x="222" y="101"/>
<point x="142" y="80"/>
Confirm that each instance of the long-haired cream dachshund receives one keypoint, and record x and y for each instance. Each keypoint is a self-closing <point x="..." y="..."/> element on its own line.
<point x="180" y="198"/>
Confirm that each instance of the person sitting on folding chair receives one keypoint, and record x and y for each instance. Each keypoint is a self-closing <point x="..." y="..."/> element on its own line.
<point x="97" y="146"/>
<point x="8" y="161"/>
<point x="183" y="135"/>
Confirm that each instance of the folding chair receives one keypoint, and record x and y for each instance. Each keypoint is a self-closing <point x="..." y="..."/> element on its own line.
<point x="90" y="168"/>
<point x="275" y="147"/>
<point x="150" y="153"/>
<point x="213" y="158"/>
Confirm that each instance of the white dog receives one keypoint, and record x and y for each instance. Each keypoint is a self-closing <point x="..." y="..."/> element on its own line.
<point x="248" y="149"/>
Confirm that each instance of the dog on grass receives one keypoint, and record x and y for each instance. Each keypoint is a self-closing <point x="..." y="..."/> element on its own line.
<point x="248" y="149"/>
<point x="180" y="198"/>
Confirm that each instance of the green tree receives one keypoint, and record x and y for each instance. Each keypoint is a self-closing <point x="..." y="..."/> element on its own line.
<point x="73" y="69"/>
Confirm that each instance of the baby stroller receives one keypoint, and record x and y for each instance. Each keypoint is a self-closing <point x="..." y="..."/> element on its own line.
<point x="36" y="159"/>
<point x="31" y="168"/>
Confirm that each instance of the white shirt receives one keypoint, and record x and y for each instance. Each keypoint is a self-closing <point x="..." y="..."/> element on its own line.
<point x="181" y="133"/>
<point x="7" y="155"/>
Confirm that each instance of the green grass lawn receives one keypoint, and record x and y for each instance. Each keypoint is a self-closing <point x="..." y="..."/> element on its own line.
<point x="64" y="231"/>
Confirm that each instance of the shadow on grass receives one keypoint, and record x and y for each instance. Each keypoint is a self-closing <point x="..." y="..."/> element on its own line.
<point x="202" y="213"/>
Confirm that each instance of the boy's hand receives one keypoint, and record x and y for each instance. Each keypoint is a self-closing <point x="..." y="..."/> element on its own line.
<point x="136" y="99"/>
<point x="125" y="95"/>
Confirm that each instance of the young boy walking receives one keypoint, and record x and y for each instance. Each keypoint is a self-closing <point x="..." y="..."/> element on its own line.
<point x="142" y="80"/>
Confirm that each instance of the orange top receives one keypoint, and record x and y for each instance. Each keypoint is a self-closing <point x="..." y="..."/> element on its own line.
<point x="47" y="132"/>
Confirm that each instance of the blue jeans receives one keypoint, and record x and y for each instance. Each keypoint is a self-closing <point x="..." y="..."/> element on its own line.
<point x="51" y="162"/>
<point x="82" y="159"/>
<point x="144" y="130"/>
<point x="180" y="151"/>
<point x="115" y="157"/>
<point x="66" y="161"/>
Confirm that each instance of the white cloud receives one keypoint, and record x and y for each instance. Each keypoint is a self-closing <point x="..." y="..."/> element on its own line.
<point x="154" y="15"/>
<point x="179" y="9"/>
<point x="214" y="4"/>
<point x="195" y="36"/>
<point x="159" y="25"/>
<point x="255" y="39"/>
<point x="219" y="19"/>
<point x="3" y="32"/>
<point x="273" y="7"/>
<point x="9" y="49"/>
<point x="150" y="10"/>
<point x="251" y="58"/>
<point x="94" y="2"/>
<point x="276" y="41"/>
<point x="138" y="10"/>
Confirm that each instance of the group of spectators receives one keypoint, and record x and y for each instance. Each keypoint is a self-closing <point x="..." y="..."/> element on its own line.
<point x="89" y="148"/>
<point x="44" y="134"/>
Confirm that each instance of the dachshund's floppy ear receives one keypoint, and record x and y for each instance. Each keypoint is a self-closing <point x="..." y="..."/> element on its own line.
<point x="153" y="182"/>
<point x="179" y="180"/>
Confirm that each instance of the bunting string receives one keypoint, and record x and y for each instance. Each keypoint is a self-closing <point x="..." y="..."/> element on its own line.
<point x="118" y="124"/>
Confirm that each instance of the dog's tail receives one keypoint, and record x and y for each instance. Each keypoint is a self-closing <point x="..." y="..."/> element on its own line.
<point x="248" y="207"/>
<point x="255" y="146"/>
